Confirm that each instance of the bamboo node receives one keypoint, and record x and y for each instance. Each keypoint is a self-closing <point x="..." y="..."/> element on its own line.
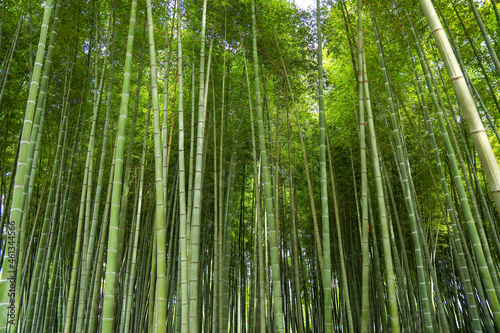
<point x="477" y="131"/>
<point x="456" y="78"/>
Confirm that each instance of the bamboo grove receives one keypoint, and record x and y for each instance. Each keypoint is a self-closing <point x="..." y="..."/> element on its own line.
<point x="249" y="166"/>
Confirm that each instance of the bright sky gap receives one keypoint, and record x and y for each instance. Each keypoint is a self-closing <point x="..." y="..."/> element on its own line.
<point x="305" y="4"/>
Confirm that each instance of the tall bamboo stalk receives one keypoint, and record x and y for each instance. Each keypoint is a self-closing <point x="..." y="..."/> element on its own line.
<point x="182" y="195"/>
<point x="196" y="214"/>
<point x="11" y="271"/>
<point x="273" y="242"/>
<point x="325" y="218"/>
<point x="391" y="288"/>
<point x="108" y="311"/>
<point x="365" y="282"/>
<point x="161" y="231"/>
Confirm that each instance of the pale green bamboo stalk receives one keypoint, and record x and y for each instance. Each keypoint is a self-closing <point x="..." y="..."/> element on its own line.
<point x="167" y="49"/>
<point x="152" y="282"/>
<point x="185" y="323"/>
<point x="217" y="240"/>
<point x="126" y="178"/>
<point x="204" y="149"/>
<point x="325" y="218"/>
<point x="273" y="243"/>
<point x="173" y="222"/>
<point x="258" y="205"/>
<point x="8" y="316"/>
<point x="92" y="247"/>
<point x="101" y="246"/>
<point x="128" y="259"/>
<point x="78" y="248"/>
<point x="343" y="271"/>
<point x="161" y="231"/>
<point x="140" y="320"/>
<point x="377" y="313"/>
<point x="295" y="246"/>
<point x="108" y="310"/>
<point x="228" y="226"/>
<point x="196" y="213"/>
<point x="402" y="285"/>
<point x="365" y="281"/>
<point x="253" y="322"/>
<point x="30" y="252"/>
<point x="126" y="268"/>
<point x="222" y="326"/>
<point x="191" y="148"/>
<point x="132" y="280"/>
<point x="391" y="288"/>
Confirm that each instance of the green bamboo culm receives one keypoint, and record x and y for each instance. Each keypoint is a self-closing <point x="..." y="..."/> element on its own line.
<point x="10" y="270"/>
<point x="273" y="242"/>
<point x="258" y="207"/>
<point x="182" y="192"/>
<point x="98" y="252"/>
<point x="196" y="213"/>
<point x="391" y="287"/>
<point x="161" y="230"/>
<point x="129" y="298"/>
<point x="365" y="246"/>
<point x="110" y="283"/>
<point x="215" y="276"/>
<point x="325" y="218"/>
